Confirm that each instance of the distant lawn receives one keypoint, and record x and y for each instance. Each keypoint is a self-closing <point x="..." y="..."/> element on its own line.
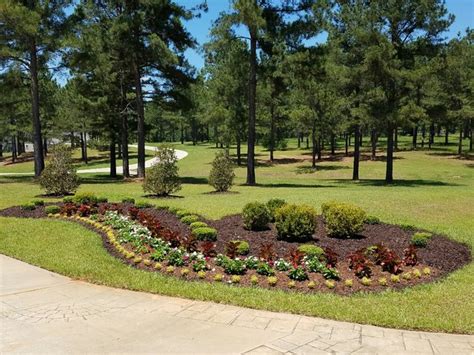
<point x="434" y="190"/>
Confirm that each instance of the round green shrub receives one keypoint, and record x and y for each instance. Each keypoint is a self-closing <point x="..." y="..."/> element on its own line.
<point x="295" y="221"/>
<point x="189" y="219"/>
<point x="343" y="219"/>
<point x="222" y="174"/>
<point x="243" y="247"/>
<point x="311" y="250"/>
<point x="30" y="206"/>
<point x="67" y="199"/>
<point x="195" y="225"/>
<point x="84" y="197"/>
<point x="102" y="200"/>
<point x="274" y="204"/>
<point x="162" y="178"/>
<point x="182" y="213"/>
<point x="420" y="239"/>
<point x="143" y="204"/>
<point x="372" y="220"/>
<point x="59" y="177"/>
<point x="128" y="200"/>
<point x="205" y="233"/>
<point x="38" y="202"/>
<point x="52" y="209"/>
<point x="255" y="216"/>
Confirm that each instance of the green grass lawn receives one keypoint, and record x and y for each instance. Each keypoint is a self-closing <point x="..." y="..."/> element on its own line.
<point x="434" y="190"/>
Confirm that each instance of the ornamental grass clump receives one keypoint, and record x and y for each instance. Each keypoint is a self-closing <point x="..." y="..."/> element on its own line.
<point x="295" y="221"/>
<point x="343" y="220"/>
<point x="59" y="177"/>
<point x="162" y="178"/>
<point x="222" y="173"/>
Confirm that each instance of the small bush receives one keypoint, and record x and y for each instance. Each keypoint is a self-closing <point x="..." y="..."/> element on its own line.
<point x="143" y="204"/>
<point x="274" y="204"/>
<point x="298" y="273"/>
<point x="235" y="279"/>
<point x="84" y="198"/>
<point x="383" y="281"/>
<point x="295" y="221"/>
<point x="372" y="220"/>
<point x="348" y="283"/>
<point x="182" y="213"/>
<point x="330" y="284"/>
<point x="128" y="200"/>
<point x="59" y="177"/>
<point x="222" y="174"/>
<point x="38" y="202"/>
<point x="366" y="281"/>
<point x="195" y="225"/>
<point x="311" y="285"/>
<point x="218" y="277"/>
<point x="190" y="219"/>
<point x="311" y="250"/>
<point x="395" y="279"/>
<point x="272" y="280"/>
<point x="243" y="247"/>
<point x="420" y="239"/>
<point x="256" y="216"/>
<point x="67" y="199"/>
<point x="162" y="178"/>
<point x="205" y="233"/>
<point x="254" y="279"/>
<point x="291" y="284"/>
<point x="343" y="219"/>
<point x="202" y="274"/>
<point x="427" y="271"/>
<point x="264" y="269"/>
<point x="102" y="199"/>
<point x="28" y="206"/>
<point x="52" y="209"/>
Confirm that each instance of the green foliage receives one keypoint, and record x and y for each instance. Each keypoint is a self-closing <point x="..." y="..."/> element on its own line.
<point x="243" y="247"/>
<point x="420" y="239"/>
<point x="38" y="202"/>
<point x="272" y="280"/>
<point x="311" y="250"/>
<point x="343" y="219"/>
<point x="298" y="273"/>
<point x="189" y="219"/>
<point x="85" y="198"/>
<point x="59" y="176"/>
<point x="255" y="216"/>
<point x="274" y="204"/>
<point x="222" y="173"/>
<point x="28" y="206"/>
<point x="182" y="213"/>
<point x="264" y="269"/>
<point x="372" y="220"/>
<point x="365" y="281"/>
<point x="205" y="233"/>
<point x="67" y="199"/>
<point x="128" y="200"/>
<point x="195" y="225"/>
<point x="52" y="209"/>
<point x="162" y="178"/>
<point x="295" y="221"/>
<point x="143" y="204"/>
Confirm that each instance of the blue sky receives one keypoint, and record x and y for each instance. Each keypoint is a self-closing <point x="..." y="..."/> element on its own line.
<point x="199" y="27"/>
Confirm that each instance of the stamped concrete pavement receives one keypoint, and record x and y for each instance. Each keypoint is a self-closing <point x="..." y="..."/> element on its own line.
<point x="43" y="312"/>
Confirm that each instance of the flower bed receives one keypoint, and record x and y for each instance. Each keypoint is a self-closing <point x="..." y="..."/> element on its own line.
<point x="169" y="241"/>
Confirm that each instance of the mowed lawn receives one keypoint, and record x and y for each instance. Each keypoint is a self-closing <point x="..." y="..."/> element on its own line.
<point x="433" y="190"/>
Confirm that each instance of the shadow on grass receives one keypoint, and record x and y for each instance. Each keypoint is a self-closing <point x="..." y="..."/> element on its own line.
<point x="290" y="185"/>
<point x="16" y="178"/>
<point x="194" y="180"/>
<point x="403" y="183"/>
<point x="102" y="179"/>
<point x="310" y="170"/>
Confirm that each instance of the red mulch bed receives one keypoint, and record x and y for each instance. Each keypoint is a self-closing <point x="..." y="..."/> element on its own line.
<point x="442" y="255"/>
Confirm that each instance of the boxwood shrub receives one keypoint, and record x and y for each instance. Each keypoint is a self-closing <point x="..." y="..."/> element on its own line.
<point x="52" y="209"/>
<point x="205" y="233"/>
<point x="256" y="216"/>
<point x="311" y="250"/>
<point x="38" y="202"/>
<point x="182" y="213"/>
<point x="343" y="220"/>
<point x="30" y="206"/>
<point x="189" y="219"/>
<point x="420" y="239"/>
<point x="295" y="221"/>
<point x="198" y="224"/>
<point x="274" y="204"/>
<point x="84" y="197"/>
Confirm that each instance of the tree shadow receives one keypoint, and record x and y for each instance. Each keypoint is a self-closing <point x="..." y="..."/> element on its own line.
<point x="302" y="169"/>
<point x="159" y="197"/>
<point x="4" y="179"/>
<point x="453" y="155"/>
<point x="103" y="179"/>
<point x="402" y="183"/>
<point x="290" y="185"/>
<point x="194" y="180"/>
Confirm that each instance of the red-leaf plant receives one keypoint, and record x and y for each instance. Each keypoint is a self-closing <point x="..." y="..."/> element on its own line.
<point x="69" y="209"/>
<point x="295" y="256"/>
<point x="84" y="210"/>
<point x="231" y="249"/>
<point x="133" y="212"/>
<point x="190" y="243"/>
<point x="331" y="257"/>
<point x="360" y="264"/>
<point x="208" y="249"/>
<point x="385" y="257"/>
<point x="410" y="259"/>
<point x="267" y="252"/>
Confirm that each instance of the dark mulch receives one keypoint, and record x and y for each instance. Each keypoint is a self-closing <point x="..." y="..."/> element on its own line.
<point x="442" y="254"/>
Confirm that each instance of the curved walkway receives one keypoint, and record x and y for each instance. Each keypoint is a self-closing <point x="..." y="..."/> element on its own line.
<point x="41" y="311"/>
<point x="180" y="154"/>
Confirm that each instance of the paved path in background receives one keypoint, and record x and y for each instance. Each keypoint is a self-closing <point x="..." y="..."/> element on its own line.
<point x="41" y="311"/>
<point x="180" y="154"/>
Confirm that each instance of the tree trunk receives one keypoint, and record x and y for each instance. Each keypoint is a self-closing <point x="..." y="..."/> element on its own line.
<point x="346" y="145"/>
<point x="86" y="159"/>
<point x="45" y="146"/>
<point x="71" y="137"/>
<point x="81" y="135"/>
<point x="470" y="135"/>
<point x="307" y="142"/>
<point x="272" y="131"/>
<point x="373" y="142"/>
<point x="1" y="150"/>
<point x="415" y="136"/>
<point x="319" y="147"/>
<point x="252" y="97"/>
<point x="396" y="138"/>
<point x="239" y="153"/>
<point x="35" y="111"/>
<point x="460" y="140"/>
<point x="314" y="147"/>
<point x="446" y="136"/>
<point x="113" y="158"/>
<point x="333" y="144"/>
<point x="355" y="170"/>
<point x="141" y="121"/>
<point x="124" y="138"/>
<point x="14" y="151"/>
<point x="432" y="134"/>
<point x="423" y="135"/>
<point x="389" y="167"/>
<point x="119" y="150"/>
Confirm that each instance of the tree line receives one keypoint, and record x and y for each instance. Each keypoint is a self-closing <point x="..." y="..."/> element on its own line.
<point x="384" y="69"/>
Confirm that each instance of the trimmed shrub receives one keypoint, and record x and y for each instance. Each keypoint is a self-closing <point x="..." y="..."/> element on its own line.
<point x="311" y="250"/>
<point x="38" y="202"/>
<point x="274" y="204"/>
<point x="222" y="174"/>
<point x="182" y="213"/>
<point x="256" y="216"/>
<point x="143" y="204"/>
<point x="128" y="200"/>
<point x="85" y="198"/>
<point x="295" y="221"/>
<point x="205" y="233"/>
<point x="243" y="247"/>
<point x="102" y="200"/>
<point x="343" y="219"/>
<point x="420" y="239"/>
<point x="162" y="177"/>
<point x="372" y="220"/>
<point x="52" y="209"/>
<point x="59" y="177"/>
<point x="189" y="219"/>
<point x="195" y="225"/>
<point x="30" y="206"/>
